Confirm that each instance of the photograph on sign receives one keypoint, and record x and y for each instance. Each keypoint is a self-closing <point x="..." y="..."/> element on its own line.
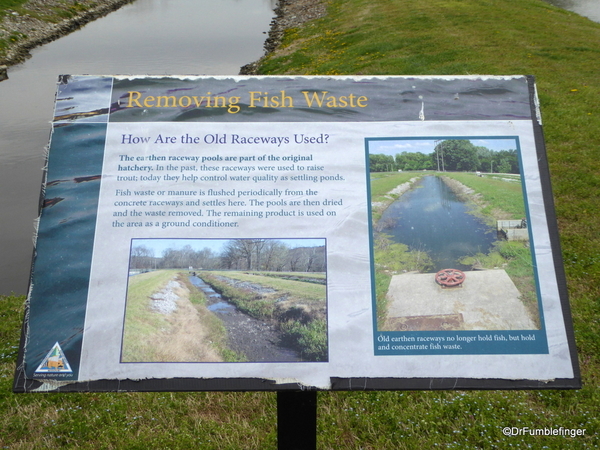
<point x="452" y="248"/>
<point x="270" y="233"/>
<point x="223" y="308"/>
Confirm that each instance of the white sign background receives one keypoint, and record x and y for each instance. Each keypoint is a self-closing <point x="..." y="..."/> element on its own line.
<point x="350" y="311"/>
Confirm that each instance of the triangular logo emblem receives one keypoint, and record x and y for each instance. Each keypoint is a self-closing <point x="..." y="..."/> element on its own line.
<point x="54" y="362"/>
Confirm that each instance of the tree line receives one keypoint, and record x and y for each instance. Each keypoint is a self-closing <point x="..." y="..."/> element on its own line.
<point x="452" y="155"/>
<point x="238" y="254"/>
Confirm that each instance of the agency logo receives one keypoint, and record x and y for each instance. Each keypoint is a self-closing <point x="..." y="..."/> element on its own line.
<point x="54" y="362"/>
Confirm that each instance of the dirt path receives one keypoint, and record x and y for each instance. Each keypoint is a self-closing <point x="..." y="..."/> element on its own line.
<point x="165" y="326"/>
<point x="256" y="339"/>
<point x="188" y="340"/>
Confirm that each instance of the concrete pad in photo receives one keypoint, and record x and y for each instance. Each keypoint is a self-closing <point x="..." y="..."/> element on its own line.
<point x="487" y="300"/>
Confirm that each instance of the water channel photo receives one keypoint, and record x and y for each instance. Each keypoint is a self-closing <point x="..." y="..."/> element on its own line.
<point x="226" y="300"/>
<point x="450" y="236"/>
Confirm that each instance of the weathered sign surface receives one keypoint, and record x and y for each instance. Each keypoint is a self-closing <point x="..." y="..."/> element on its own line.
<point x="264" y="233"/>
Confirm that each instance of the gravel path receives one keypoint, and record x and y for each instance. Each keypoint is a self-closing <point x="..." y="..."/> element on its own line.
<point x="165" y="301"/>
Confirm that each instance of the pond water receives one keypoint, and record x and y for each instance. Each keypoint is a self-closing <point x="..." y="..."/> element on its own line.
<point x="154" y="37"/>
<point x="431" y="218"/>
<point x="587" y="8"/>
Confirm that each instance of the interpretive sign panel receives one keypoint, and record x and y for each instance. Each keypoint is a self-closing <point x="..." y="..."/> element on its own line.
<point x="265" y="233"/>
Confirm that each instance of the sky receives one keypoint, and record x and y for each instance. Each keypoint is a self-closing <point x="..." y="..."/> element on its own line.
<point x="216" y="245"/>
<point x="426" y="146"/>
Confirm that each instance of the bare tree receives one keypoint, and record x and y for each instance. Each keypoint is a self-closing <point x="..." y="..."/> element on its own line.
<point x="141" y="257"/>
<point x="294" y="259"/>
<point x="259" y="245"/>
<point x="274" y="255"/>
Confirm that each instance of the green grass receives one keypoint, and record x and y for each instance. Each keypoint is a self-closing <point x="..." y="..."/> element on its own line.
<point x="501" y="199"/>
<point x="298" y="289"/>
<point x="237" y="420"/>
<point x="309" y="277"/>
<point x="10" y="4"/>
<point x="5" y="41"/>
<point x="66" y="10"/>
<point x="141" y="322"/>
<point x="383" y="182"/>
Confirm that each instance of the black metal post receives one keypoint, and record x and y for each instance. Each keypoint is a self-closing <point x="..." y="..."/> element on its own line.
<point x="297" y="420"/>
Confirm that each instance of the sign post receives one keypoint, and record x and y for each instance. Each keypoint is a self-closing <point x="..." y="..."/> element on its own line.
<point x="297" y="420"/>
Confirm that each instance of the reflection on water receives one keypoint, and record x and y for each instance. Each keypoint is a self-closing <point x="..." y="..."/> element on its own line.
<point x="221" y="307"/>
<point x="152" y="37"/>
<point x="208" y="291"/>
<point x="431" y="218"/>
<point x="587" y="8"/>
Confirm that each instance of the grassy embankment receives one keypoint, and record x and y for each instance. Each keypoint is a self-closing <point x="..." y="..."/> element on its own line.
<point x="298" y="308"/>
<point x="308" y="277"/>
<point x="438" y="37"/>
<point x="60" y="11"/>
<point x="188" y="334"/>
<point x="494" y="198"/>
<point x="390" y="257"/>
<point x="5" y="41"/>
<point x="390" y="37"/>
<point x="501" y="198"/>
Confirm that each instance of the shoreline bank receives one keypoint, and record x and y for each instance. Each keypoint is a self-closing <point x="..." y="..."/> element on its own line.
<point x="28" y="32"/>
<point x="288" y="14"/>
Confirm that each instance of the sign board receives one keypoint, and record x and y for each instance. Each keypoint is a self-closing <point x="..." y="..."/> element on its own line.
<point x="274" y="233"/>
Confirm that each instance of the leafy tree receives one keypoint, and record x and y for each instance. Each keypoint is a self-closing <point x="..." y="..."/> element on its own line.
<point x="381" y="163"/>
<point x="504" y="166"/>
<point x="508" y="161"/>
<point x="485" y="156"/>
<point x="457" y="155"/>
<point x="413" y="161"/>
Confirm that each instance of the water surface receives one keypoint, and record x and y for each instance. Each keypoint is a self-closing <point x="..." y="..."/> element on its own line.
<point x="154" y="37"/>
<point x="587" y="8"/>
<point x="431" y="218"/>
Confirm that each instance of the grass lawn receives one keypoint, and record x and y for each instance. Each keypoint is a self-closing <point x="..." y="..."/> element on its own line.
<point x="141" y="322"/>
<point x="10" y="4"/>
<point x="501" y="199"/>
<point x="298" y="289"/>
<point x="383" y="182"/>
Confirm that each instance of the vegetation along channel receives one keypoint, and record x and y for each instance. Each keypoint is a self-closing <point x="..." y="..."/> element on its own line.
<point x="460" y="206"/>
<point x="235" y="300"/>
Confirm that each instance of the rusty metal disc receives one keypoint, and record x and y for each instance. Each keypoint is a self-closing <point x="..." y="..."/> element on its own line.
<point x="450" y="277"/>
